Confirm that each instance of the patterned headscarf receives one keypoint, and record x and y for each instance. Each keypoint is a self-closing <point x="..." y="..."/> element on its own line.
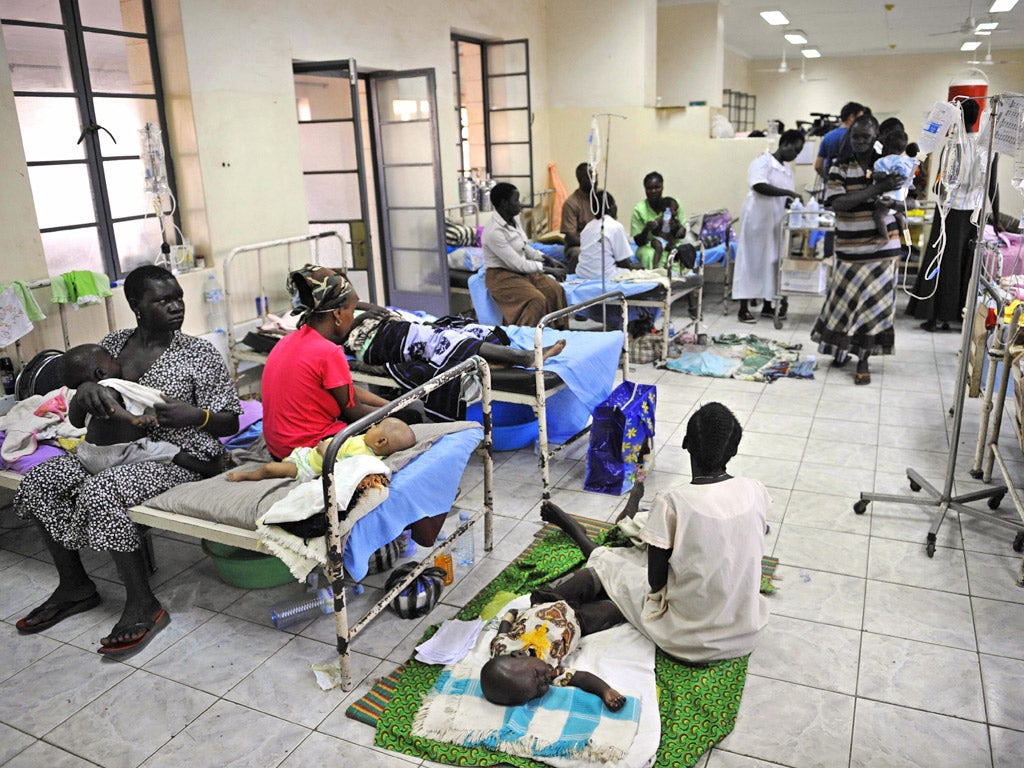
<point x="319" y="289"/>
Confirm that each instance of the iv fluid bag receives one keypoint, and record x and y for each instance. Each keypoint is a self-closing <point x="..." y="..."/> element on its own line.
<point x="152" y="151"/>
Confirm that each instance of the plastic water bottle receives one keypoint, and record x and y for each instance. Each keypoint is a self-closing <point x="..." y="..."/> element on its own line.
<point x="465" y="549"/>
<point x="216" y="312"/>
<point x="811" y="213"/>
<point x="666" y="219"/>
<point x="303" y="609"/>
<point x="796" y="211"/>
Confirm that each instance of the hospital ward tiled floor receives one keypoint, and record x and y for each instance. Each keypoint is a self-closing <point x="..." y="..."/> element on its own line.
<point x="875" y="655"/>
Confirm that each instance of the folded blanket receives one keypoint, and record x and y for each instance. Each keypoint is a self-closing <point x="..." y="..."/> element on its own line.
<point x="39" y="417"/>
<point x="361" y="486"/>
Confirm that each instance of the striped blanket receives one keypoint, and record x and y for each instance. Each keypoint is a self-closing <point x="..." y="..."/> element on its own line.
<point x="566" y="722"/>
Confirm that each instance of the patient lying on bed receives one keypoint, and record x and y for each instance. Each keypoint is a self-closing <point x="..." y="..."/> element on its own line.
<point x="123" y="437"/>
<point x="390" y="436"/>
<point x="527" y="652"/>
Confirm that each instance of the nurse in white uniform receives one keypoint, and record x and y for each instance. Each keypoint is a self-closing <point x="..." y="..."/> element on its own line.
<point x="770" y="180"/>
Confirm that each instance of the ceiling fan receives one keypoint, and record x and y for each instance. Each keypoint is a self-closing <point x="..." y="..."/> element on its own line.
<point x="803" y="74"/>
<point x="988" y="61"/>
<point x="783" y="67"/>
<point x="967" y="26"/>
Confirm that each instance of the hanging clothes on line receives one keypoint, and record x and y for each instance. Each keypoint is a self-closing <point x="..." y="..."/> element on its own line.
<point x="15" y="321"/>
<point x="80" y="287"/>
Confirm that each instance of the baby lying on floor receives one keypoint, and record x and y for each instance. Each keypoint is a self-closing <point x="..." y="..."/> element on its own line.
<point x="527" y="652"/>
<point x="389" y="436"/>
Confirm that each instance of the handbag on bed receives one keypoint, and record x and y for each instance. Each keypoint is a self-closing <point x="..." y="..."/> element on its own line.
<point x="622" y="424"/>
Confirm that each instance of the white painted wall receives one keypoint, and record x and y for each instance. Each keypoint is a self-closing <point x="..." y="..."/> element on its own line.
<point x="691" y="50"/>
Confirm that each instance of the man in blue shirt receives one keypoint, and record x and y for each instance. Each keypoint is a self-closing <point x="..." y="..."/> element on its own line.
<point x="831" y="141"/>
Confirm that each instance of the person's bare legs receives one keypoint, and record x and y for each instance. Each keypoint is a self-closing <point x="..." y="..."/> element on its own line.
<point x="552" y="513"/>
<point x="496" y="353"/>
<point x="140" y="603"/>
<point x="636" y="493"/>
<point x="74" y="586"/>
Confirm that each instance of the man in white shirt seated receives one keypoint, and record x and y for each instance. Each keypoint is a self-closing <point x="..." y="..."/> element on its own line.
<point x="604" y="241"/>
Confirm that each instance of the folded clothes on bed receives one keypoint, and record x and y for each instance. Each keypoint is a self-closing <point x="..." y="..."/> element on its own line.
<point x="39" y="417"/>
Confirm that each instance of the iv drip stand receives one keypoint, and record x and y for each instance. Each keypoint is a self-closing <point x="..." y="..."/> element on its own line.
<point x="944" y="499"/>
<point x="603" y="208"/>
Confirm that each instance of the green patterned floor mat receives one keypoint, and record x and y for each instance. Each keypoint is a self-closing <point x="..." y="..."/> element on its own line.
<point x="698" y="705"/>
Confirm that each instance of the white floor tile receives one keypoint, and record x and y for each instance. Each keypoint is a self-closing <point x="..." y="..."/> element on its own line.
<point x="924" y="676"/>
<point x="885" y="735"/>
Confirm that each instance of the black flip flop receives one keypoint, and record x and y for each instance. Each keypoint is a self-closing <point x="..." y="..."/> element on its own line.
<point x="149" y="629"/>
<point x="58" y="610"/>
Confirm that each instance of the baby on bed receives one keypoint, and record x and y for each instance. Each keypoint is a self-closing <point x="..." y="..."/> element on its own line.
<point x="389" y="436"/>
<point x="527" y="653"/>
<point x="123" y="437"/>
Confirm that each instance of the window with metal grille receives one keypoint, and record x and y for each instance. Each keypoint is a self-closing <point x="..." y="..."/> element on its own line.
<point x="740" y="108"/>
<point x="86" y="84"/>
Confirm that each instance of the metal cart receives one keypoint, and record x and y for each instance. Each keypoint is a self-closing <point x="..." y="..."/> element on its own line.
<point x="799" y="272"/>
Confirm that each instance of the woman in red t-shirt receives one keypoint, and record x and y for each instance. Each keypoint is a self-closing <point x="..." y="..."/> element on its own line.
<point x="308" y="392"/>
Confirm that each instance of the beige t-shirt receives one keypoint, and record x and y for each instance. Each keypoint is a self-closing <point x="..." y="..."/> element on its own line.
<point x="711" y="607"/>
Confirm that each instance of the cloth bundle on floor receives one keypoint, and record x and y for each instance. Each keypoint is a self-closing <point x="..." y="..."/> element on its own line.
<point x="749" y="358"/>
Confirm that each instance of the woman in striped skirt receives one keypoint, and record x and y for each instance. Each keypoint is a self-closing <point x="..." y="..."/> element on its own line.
<point x="857" y="317"/>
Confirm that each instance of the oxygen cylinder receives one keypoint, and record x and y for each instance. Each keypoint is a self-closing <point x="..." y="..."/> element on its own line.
<point x="467" y="191"/>
<point x="484" y="192"/>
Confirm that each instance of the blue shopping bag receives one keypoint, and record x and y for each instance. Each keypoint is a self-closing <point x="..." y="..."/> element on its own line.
<point x="622" y="424"/>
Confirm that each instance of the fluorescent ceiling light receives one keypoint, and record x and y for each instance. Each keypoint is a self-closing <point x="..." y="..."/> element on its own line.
<point x="1000" y="6"/>
<point x="812" y="53"/>
<point x="971" y="45"/>
<point x="776" y="18"/>
<point x="983" y="33"/>
<point x="987" y="26"/>
<point x="796" y="37"/>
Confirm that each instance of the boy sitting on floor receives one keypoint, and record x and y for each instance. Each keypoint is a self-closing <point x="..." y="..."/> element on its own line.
<point x="527" y="652"/>
<point x="391" y="435"/>
<point x="123" y="437"/>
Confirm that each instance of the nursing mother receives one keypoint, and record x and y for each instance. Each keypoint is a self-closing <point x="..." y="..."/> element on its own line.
<point x="74" y="509"/>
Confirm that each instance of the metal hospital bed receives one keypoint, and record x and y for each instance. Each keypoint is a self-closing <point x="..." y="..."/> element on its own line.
<point x="152" y="517"/>
<point x="511" y="385"/>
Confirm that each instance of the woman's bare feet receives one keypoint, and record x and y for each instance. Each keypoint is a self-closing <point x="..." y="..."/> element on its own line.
<point x="554" y="349"/>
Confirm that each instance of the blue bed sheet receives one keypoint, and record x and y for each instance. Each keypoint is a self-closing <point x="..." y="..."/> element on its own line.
<point x="587" y="365"/>
<point x="716" y="255"/>
<point x="415" y="494"/>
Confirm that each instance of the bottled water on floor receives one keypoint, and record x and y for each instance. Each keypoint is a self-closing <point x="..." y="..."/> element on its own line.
<point x="465" y="551"/>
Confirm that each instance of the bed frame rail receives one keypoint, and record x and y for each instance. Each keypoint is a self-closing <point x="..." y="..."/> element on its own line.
<point x="237" y="355"/>
<point x="335" y="539"/>
<point x="540" y="406"/>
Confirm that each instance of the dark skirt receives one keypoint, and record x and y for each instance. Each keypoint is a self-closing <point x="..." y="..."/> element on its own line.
<point x="82" y="510"/>
<point x="857" y="317"/>
<point x="944" y="296"/>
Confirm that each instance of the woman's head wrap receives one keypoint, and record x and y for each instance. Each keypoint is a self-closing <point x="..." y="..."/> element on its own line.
<point x="319" y="289"/>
